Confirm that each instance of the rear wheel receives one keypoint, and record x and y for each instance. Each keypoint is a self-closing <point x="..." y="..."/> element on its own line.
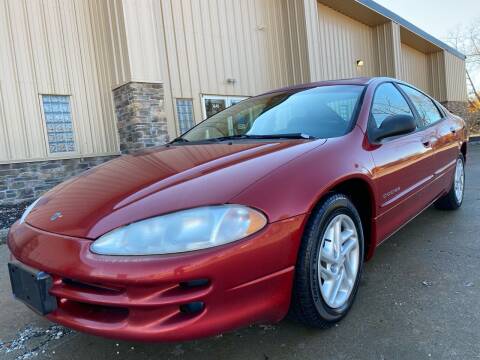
<point x="329" y="265"/>
<point x="454" y="198"/>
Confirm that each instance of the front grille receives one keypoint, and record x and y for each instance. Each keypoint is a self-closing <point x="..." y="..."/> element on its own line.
<point x="92" y="287"/>
<point x="173" y="302"/>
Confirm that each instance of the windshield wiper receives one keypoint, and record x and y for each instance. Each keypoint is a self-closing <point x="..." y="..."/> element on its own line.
<point x="179" y="140"/>
<point x="281" y="136"/>
<point x="267" y="136"/>
<point x="244" y="136"/>
<point x="231" y="137"/>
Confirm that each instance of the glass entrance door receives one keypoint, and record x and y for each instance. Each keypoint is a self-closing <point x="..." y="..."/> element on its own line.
<point x="213" y="104"/>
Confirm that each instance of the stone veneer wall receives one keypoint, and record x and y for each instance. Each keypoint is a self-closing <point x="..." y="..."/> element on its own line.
<point x="141" y="119"/>
<point x="26" y="181"/>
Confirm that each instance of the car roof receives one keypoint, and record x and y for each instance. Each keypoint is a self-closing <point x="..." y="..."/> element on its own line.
<point x="353" y="81"/>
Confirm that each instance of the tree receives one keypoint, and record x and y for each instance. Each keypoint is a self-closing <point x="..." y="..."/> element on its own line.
<point x="467" y="40"/>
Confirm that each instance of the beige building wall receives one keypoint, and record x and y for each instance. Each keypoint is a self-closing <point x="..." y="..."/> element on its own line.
<point x="387" y="47"/>
<point x="455" y="78"/>
<point x="194" y="46"/>
<point x="258" y="44"/>
<point x="415" y="68"/>
<point x="342" y="41"/>
<point x="56" y="47"/>
<point x="436" y="74"/>
<point x="338" y="35"/>
<point x="439" y="73"/>
<point x="143" y="39"/>
<point x="112" y="14"/>
<point x="86" y="48"/>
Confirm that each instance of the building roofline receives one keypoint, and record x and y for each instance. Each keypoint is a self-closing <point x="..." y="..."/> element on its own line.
<point x="409" y="26"/>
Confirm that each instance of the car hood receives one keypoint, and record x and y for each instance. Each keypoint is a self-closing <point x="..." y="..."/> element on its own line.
<point x="159" y="181"/>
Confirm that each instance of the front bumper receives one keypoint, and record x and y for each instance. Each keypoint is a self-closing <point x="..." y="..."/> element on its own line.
<point x="166" y="297"/>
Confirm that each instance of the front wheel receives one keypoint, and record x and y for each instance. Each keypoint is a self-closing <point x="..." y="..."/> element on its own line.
<point x="454" y="198"/>
<point x="329" y="265"/>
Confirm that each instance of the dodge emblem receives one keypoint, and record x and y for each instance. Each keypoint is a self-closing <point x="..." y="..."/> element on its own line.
<point x="55" y="216"/>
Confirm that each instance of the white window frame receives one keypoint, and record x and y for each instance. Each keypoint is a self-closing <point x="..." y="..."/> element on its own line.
<point x="228" y="101"/>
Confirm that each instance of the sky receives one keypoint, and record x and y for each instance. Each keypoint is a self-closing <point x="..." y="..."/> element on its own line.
<point x="436" y="17"/>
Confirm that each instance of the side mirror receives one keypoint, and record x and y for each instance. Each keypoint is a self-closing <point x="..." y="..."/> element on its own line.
<point x="395" y="125"/>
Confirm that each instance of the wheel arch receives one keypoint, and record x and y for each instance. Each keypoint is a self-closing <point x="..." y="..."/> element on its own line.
<point x="463" y="150"/>
<point x="359" y="189"/>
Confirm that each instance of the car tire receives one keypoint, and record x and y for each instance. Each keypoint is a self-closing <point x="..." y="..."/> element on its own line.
<point x="311" y="303"/>
<point x="454" y="198"/>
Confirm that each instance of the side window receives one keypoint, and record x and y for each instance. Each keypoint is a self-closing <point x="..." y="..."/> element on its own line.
<point x="388" y="101"/>
<point x="427" y="110"/>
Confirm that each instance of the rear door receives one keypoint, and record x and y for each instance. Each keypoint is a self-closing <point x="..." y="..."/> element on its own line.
<point x="445" y="131"/>
<point x="404" y="165"/>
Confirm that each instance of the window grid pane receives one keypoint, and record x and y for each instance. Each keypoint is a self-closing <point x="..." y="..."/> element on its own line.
<point x="185" y="115"/>
<point x="58" y="119"/>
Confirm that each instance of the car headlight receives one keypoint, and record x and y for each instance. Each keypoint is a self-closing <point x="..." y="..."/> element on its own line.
<point x="27" y="211"/>
<point x="193" y="229"/>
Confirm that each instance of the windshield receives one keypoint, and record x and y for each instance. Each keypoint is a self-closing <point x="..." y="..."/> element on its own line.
<point x="321" y="112"/>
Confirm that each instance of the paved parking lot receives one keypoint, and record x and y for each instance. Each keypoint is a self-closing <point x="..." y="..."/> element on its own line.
<point x="419" y="299"/>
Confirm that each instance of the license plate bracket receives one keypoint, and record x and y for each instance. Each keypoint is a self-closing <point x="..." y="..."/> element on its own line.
<point x="32" y="287"/>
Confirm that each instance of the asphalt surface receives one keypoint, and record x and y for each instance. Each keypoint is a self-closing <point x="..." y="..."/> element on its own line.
<point x="419" y="299"/>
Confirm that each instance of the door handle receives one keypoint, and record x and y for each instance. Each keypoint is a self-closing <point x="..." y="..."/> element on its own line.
<point x="428" y="142"/>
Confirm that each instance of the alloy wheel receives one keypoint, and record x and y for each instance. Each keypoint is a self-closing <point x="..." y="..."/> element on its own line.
<point x="338" y="261"/>
<point x="459" y="182"/>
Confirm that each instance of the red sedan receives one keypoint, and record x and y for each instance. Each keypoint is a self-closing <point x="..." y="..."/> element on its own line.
<point x="267" y="208"/>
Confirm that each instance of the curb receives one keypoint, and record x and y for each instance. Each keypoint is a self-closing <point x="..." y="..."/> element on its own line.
<point x="3" y="236"/>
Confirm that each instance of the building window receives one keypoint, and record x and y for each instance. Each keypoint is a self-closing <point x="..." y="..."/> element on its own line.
<point x="58" y="120"/>
<point x="185" y="115"/>
<point x="213" y="104"/>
